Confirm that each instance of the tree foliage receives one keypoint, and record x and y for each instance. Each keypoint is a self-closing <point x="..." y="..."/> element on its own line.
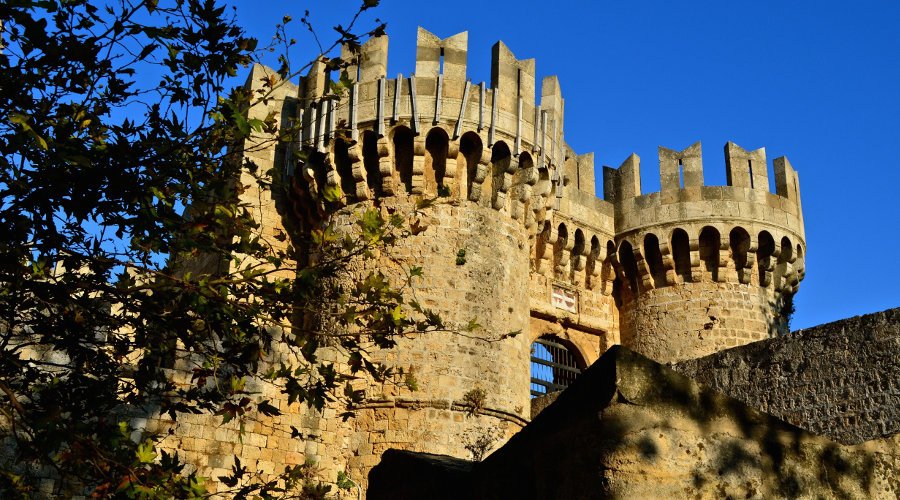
<point x="120" y="144"/>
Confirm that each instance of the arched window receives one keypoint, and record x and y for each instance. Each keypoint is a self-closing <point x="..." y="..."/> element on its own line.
<point x="563" y="236"/>
<point x="764" y="251"/>
<point x="403" y="156"/>
<point x="787" y="250"/>
<point x="709" y="251"/>
<point x="436" y="149"/>
<point x="629" y="266"/>
<point x="471" y="148"/>
<point x="739" y="240"/>
<point x="578" y="247"/>
<point x="522" y="178"/>
<point x="554" y="365"/>
<point x="371" y="162"/>
<point x="681" y="253"/>
<point x="344" y="168"/>
<point x="317" y="163"/>
<point x="653" y="256"/>
<point x="500" y="159"/>
<point x="593" y="266"/>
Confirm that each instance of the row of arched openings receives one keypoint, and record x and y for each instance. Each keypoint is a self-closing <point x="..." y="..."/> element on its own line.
<point x="433" y="181"/>
<point x="582" y="255"/>
<point x="772" y="259"/>
<point x="763" y="262"/>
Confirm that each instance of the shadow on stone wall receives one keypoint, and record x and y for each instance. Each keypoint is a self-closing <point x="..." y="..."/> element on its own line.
<point x="840" y="379"/>
<point x="630" y="427"/>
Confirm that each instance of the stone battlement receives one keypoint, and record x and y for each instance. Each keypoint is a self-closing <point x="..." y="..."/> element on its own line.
<point x="517" y="239"/>
<point x="684" y="198"/>
<point x="440" y="93"/>
<point x="435" y="133"/>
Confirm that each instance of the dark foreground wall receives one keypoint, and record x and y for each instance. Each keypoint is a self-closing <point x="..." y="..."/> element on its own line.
<point x="632" y="428"/>
<point x="840" y="380"/>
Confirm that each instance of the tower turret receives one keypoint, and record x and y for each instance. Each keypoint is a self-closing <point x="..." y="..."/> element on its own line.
<point x="518" y="240"/>
<point x="514" y="240"/>
<point x="704" y="268"/>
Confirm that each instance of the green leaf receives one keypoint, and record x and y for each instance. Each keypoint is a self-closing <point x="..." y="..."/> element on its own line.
<point x="343" y="481"/>
<point x="397" y="315"/>
<point x="241" y="123"/>
<point x="256" y="125"/>
<point x="332" y="193"/>
<point x="22" y="121"/>
<point x="145" y="452"/>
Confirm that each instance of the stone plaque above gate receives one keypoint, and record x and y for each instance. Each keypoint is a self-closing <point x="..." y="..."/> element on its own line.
<point x="564" y="299"/>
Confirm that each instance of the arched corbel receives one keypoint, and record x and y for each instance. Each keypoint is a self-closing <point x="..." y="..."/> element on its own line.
<point x="385" y="167"/>
<point x="358" y="170"/>
<point x="579" y="266"/>
<point x="668" y="261"/>
<point x="481" y="171"/>
<point x="769" y="269"/>
<point x="504" y="182"/>
<point x="523" y="191"/>
<point x="451" y="180"/>
<point x="789" y="279"/>
<point x="746" y="273"/>
<point x="724" y="257"/>
<point x="611" y="269"/>
<point x="562" y="251"/>
<point x="547" y="239"/>
<point x="418" y="168"/>
<point x="594" y="265"/>
<point x="643" y="268"/>
<point x="696" y="270"/>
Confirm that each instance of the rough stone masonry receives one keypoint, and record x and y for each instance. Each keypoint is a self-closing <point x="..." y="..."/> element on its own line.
<point x="675" y="275"/>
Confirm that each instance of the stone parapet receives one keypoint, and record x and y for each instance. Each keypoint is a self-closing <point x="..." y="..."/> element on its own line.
<point x="513" y="235"/>
<point x="702" y="268"/>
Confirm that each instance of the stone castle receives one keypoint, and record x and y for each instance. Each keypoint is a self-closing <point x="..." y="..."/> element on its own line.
<point x="519" y="240"/>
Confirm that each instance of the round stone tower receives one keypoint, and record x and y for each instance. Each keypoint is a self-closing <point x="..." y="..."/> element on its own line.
<point x="703" y="268"/>
<point x="488" y="156"/>
<point x="513" y="237"/>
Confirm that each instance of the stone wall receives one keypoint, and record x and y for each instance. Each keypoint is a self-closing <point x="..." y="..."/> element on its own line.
<point x="840" y="379"/>
<point x="489" y="285"/>
<point x="517" y="240"/>
<point x="685" y="321"/>
<point x="631" y="428"/>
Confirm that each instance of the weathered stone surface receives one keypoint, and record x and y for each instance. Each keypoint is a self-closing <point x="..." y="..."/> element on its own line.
<point x="632" y="428"/>
<point x="840" y="379"/>
<point x="542" y="254"/>
<point x="517" y="240"/>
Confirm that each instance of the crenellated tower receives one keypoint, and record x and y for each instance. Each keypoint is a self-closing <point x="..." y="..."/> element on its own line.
<point x="512" y="198"/>
<point x="703" y="268"/>
<point x="519" y="240"/>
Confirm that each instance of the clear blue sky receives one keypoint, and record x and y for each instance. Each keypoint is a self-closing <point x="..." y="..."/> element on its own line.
<point x="817" y="81"/>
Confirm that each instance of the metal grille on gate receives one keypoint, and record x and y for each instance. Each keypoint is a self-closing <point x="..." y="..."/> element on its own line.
<point x="553" y="366"/>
